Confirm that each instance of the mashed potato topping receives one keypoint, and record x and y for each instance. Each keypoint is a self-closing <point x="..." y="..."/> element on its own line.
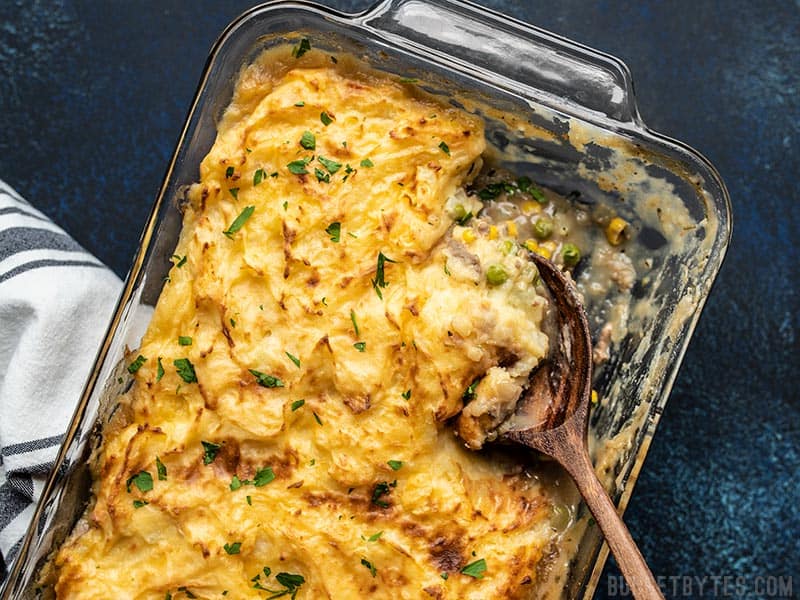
<point x="328" y="312"/>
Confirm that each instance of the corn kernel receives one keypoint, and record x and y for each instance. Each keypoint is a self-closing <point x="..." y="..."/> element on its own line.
<point x="511" y="227"/>
<point x="595" y="397"/>
<point x="615" y="231"/>
<point x="550" y="246"/>
<point x="531" y="208"/>
<point x="492" y="232"/>
<point x="531" y="245"/>
<point x="543" y="252"/>
<point x="468" y="236"/>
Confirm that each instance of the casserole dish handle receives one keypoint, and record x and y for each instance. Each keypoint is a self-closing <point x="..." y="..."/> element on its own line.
<point x="560" y="70"/>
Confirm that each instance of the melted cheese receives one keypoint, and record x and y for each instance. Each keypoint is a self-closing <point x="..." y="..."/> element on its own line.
<point x="381" y="367"/>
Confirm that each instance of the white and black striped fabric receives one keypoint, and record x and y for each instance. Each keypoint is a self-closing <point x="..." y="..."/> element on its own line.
<point x="55" y="304"/>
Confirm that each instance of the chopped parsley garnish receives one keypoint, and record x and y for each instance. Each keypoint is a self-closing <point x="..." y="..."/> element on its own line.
<point x="367" y="163"/>
<point x="317" y="419"/>
<point x="347" y="170"/>
<point x="406" y="395"/>
<point x="303" y="47"/>
<point x="396" y="465"/>
<point x="210" y="451"/>
<point x="335" y="231"/>
<point x="233" y="548"/>
<point x="249" y="500"/>
<point x="236" y="483"/>
<point x="380" y="279"/>
<point x="184" y="340"/>
<point x="322" y="176"/>
<point x="136" y="364"/>
<point x="161" y="470"/>
<point x="291" y="582"/>
<point x="258" y="176"/>
<point x="381" y="489"/>
<point x="142" y="480"/>
<point x="300" y="104"/>
<point x="297" y="404"/>
<point x="232" y="322"/>
<point x="140" y="503"/>
<point x="234" y="192"/>
<point x="229" y="172"/>
<point x="294" y="359"/>
<point x="444" y="575"/>
<point x="264" y="476"/>
<point x="475" y="569"/>
<point x="373" y="571"/>
<point x="355" y="323"/>
<point x="186" y="591"/>
<point x="181" y="260"/>
<point x="298" y="167"/>
<point x="239" y="221"/>
<point x="185" y="369"/>
<point x="308" y="141"/>
<point x="375" y="537"/>
<point x="360" y="346"/>
<point x="330" y="165"/>
<point x="469" y="393"/>
<point x="159" y="370"/>
<point x="264" y="380"/>
<point x="444" y="148"/>
<point x="325" y="118"/>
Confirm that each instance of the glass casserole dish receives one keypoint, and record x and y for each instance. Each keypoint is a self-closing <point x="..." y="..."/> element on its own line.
<point x="576" y="130"/>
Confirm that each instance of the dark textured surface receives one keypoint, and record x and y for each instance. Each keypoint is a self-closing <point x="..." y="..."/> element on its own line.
<point x="93" y="95"/>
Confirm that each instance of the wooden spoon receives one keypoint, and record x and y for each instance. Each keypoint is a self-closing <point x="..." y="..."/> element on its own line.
<point x="552" y="417"/>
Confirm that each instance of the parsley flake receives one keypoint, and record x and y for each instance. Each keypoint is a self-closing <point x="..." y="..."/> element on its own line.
<point x="234" y="192"/>
<point x="298" y="167"/>
<point x="360" y="346"/>
<point x="181" y="260"/>
<point x="444" y="148"/>
<point x="264" y="476"/>
<point x="185" y="369"/>
<point x="291" y="582"/>
<point x="396" y="465"/>
<point x="297" y="404"/>
<point x="249" y="500"/>
<point x="375" y="537"/>
<point x="160" y="370"/>
<point x="367" y="163"/>
<point x="229" y="172"/>
<point x="325" y="118"/>
<point x="355" y="323"/>
<point x="258" y="176"/>
<point x="322" y="176"/>
<point x="335" y="231"/>
<point x="406" y="395"/>
<point x="308" y="141"/>
<point x="317" y="419"/>
<point x="475" y="569"/>
<point x="380" y="279"/>
<point x="233" y="548"/>
<point x="264" y="380"/>
<point x="381" y="489"/>
<point x="236" y="483"/>
<point x="369" y="566"/>
<point x="184" y="340"/>
<point x="136" y="364"/>
<point x="161" y="470"/>
<point x="142" y="480"/>
<point x="303" y="47"/>
<point x="210" y="451"/>
<point x="239" y="221"/>
<point x="294" y="359"/>
<point x="140" y="503"/>
<point x="300" y="104"/>
<point x="444" y="575"/>
<point x="330" y="165"/>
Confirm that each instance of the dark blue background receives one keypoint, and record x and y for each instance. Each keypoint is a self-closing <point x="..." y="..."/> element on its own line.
<point x="93" y="95"/>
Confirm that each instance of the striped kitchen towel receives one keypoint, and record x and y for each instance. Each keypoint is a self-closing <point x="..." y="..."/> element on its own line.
<point x="56" y="301"/>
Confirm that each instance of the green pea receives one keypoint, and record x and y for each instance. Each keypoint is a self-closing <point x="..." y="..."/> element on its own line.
<point x="571" y="255"/>
<point x="496" y="275"/>
<point x="543" y="228"/>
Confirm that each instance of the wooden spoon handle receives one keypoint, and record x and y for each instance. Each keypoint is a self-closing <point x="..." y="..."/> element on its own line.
<point x="630" y="560"/>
